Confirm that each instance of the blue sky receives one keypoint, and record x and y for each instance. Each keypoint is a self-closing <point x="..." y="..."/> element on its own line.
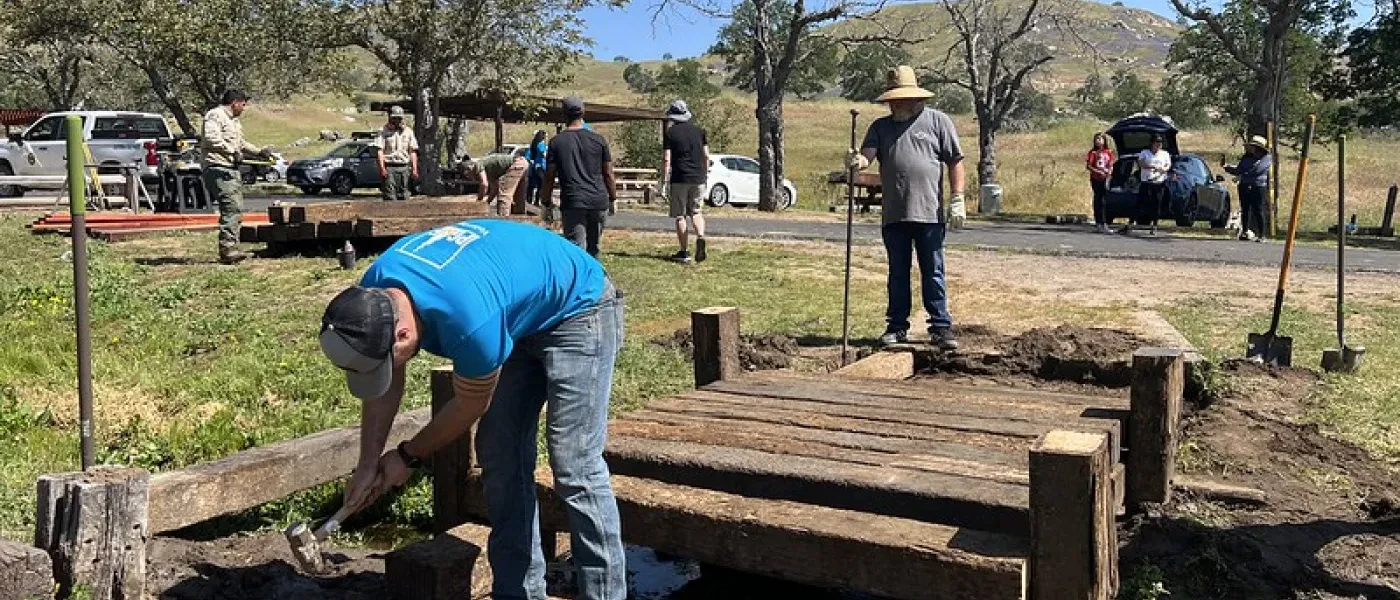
<point x="629" y="31"/>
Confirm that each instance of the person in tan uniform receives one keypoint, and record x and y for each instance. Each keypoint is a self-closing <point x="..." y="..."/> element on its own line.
<point x="498" y="178"/>
<point x="398" y="157"/>
<point x="222" y="145"/>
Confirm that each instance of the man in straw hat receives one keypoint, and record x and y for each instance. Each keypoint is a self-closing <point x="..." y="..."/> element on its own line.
<point x="685" y="166"/>
<point x="914" y="144"/>
<point x="398" y="157"/>
<point x="1253" y="175"/>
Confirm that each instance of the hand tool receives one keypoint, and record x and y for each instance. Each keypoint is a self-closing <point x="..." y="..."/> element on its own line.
<point x="306" y="544"/>
<point x="1343" y="358"/>
<point x="850" y="215"/>
<point x="1270" y="347"/>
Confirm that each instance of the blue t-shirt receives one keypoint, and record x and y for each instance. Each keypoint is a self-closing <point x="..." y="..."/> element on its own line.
<point x="536" y="155"/>
<point x="481" y="285"/>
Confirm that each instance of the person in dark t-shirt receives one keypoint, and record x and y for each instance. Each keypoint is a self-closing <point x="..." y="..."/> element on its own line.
<point x="582" y="162"/>
<point x="685" y="167"/>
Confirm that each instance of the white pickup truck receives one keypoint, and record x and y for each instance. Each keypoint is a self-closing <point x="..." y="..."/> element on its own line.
<point x="114" y="137"/>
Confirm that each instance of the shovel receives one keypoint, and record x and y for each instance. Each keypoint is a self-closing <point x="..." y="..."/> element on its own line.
<point x="1343" y="358"/>
<point x="1272" y="348"/>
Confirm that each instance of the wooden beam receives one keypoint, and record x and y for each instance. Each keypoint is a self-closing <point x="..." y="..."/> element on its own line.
<point x="1158" y="383"/>
<point x="716" y="334"/>
<point x="451" y="465"/>
<point x="26" y="572"/>
<point x="902" y="391"/>
<point x="451" y="566"/>
<point x="891" y="557"/>
<point x="260" y="475"/>
<point x="93" y="524"/>
<point x="350" y="211"/>
<point x="1074" y="544"/>
<point x="398" y="227"/>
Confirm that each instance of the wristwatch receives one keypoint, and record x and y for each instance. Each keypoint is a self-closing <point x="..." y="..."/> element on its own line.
<point x="410" y="460"/>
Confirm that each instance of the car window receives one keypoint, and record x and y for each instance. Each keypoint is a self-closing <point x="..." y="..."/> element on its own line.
<point x="747" y="165"/>
<point x="346" y="151"/>
<point x="128" y="128"/>
<point x="729" y="163"/>
<point x="1192" y="168"/>
<point x="47" y="130"/>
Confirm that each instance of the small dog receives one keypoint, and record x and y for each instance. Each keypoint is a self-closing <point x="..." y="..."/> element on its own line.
<point x="1234" y="227"/>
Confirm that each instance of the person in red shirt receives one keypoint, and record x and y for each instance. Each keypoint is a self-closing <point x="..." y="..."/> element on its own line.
<point x="1099" y="162"/>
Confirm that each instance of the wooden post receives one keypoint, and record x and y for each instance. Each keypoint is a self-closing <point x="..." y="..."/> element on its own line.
<point x="716" y="334"/>
<point x="1158" y="381"/>
<point x="1387" y="219"/>
<point x="451" y="566"/>
<point x="25" y="572"/>
<point x="93" y="525"/>
<point x="1074" y="544"/>
<point x="500" y="129"/>
<point x="451" y="465"/>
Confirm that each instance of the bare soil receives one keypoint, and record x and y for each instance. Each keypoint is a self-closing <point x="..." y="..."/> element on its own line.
<point x="1331" y="525"/>
<point x="764" y="352"/>
<point x="258" y="565"/>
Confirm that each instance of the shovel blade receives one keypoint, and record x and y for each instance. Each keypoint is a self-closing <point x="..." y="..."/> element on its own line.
<point x="1270" y="349"/>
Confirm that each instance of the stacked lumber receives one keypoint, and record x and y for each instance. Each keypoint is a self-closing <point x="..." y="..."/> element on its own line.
<point x="117" y="227"/>
<point x="359" y="220"/>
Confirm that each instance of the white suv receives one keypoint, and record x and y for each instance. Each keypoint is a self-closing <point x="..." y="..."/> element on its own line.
<point x="115" y="138"/>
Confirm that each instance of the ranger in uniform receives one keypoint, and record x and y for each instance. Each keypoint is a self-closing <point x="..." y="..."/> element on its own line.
<point x="398" y="157"/>
<point x="223" y="148"/>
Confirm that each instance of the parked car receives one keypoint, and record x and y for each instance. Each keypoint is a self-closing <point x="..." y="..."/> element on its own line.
<point x="115" y="139"/>
<point x="346" y="167"/>
<point x="733" y="179"/>
<point x="1194" y="193"/>
<point x="273" y="173"/>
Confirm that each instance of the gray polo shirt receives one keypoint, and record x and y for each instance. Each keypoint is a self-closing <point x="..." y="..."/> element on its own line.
<point x="912" y="154"/>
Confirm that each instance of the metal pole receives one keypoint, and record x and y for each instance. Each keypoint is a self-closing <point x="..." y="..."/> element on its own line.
<point x="1341" y="240"/>
<point x="850" y="216"/>
<point x="1273" y="181"/>
<point x="77" y="209"/>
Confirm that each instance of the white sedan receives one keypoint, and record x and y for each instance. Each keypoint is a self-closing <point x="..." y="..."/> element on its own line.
<point x="733" y="179"/>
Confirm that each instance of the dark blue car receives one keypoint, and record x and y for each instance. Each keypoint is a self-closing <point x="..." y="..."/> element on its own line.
<point x="1195" y="194"/>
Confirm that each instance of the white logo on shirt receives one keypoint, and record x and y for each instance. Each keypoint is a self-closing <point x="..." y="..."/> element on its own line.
<point x="442" y="245"/>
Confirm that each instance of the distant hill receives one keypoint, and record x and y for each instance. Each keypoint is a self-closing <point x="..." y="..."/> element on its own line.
<point x="1121" y="37"/>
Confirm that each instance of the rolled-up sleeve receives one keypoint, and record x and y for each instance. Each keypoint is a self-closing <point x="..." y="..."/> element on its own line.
<point x="949" y="148"/>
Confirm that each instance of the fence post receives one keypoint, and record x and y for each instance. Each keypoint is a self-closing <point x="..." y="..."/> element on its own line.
<point x="1158" y="384"/>
<point x="451" y="465"/>
<point x="94" y="526"/>
<point x="716" y="334"/>
<point x="1074" y="544"/>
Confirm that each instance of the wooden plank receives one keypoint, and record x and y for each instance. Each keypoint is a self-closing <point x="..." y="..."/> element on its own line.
<point x="964" y="465"/>
<point x="135" y="233"/>
<point x="924" y="389"/>
<point x="374" y="210"/>
<point x="895" y="558"/>
<point x="278" y="214"/>
<point x="260" y="475"/>
<point x="398" y="227"/>
<point x="900" y="492"/>
<point x="451" y="566"/>
<point x="94" y="525"/>
<point x="715" y="331"/>
<point x="643" y="423"/>
<point x="970" y="419"/>
<point x="1222" y="492"/>
<point x="248" y="234"/>
<point x="331" y="230"/>
<point x="26" y="572"/>
<point x="1158" y="384"/>
<point x="1074" y="543"/>
<point x="451" y="464"/>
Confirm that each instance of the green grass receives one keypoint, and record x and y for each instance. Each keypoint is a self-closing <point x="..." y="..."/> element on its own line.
<point x="194" y="361"/>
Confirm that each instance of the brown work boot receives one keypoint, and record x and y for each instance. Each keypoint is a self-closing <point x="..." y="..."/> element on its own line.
<point x="231" y="256"/>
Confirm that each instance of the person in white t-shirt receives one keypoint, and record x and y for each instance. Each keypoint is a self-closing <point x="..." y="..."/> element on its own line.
<point x="1154" y="166"/>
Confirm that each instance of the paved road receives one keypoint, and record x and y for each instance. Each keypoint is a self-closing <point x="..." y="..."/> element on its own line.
<point x="1069" y="240"/>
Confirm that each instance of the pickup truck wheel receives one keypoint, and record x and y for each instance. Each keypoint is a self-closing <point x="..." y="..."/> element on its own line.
<point x="9" y="191"/>
<point x="342" y="183"/>
<point x="310" y="190"/>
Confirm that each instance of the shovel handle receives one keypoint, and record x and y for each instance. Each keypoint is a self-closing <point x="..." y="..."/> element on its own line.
<point x="1293" y="221"/>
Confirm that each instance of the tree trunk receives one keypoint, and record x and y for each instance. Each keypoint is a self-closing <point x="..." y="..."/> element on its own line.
<point x="987" y="151"/>
<point x="779" y="151"/>
<point x="1264" y="100"/>
<point x="426" y="127"/>
<point x="161" y="88"/>
<point x="456" y="140"/>
<point x="768" y="117"/>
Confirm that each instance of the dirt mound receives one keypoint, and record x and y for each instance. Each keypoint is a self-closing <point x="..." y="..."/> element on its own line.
<point x="756" y="352"/>
<point x="1067" y="353"/>
<point x="257" y="566"/>
<point x="1330" y="527"/>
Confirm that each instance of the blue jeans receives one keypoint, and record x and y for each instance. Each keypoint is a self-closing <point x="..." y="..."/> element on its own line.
<point x="924" y="240"/>
<point x="569" y="367"/>
<point x="533" y="183"/>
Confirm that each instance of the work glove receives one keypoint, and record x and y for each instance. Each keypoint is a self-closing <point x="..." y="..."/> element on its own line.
<point x="957" y="212"/>
<point x="856" y="160"/>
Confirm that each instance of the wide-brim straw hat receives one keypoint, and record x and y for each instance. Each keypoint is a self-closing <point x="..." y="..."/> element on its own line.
<point x="1259" y="141"/>
<point x="903" y="84"/>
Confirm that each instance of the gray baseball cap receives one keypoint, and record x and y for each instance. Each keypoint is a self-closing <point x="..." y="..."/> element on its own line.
<point x="357" y="335"/>
<point x="679" y="112"/>
<point x="573" y="106"/>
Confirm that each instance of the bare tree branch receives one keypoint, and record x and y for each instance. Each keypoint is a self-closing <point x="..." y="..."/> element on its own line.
<point x="1211" y="21"/>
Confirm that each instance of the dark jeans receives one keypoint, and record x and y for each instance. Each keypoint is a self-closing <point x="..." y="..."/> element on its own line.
<point x="568" y="369"/>
<point x="1254" y="209"/>
<point x="532" y="186"/>
<point x="1150" y="199"/>
<point x="584" y="227"/>
<point x="924" y="240"/>
<point x="1100" y="191"/>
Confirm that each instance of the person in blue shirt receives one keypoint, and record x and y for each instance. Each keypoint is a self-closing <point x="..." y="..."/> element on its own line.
<point x="1253" y="175"/>
<point x="535" y="155"/>
<point x="524" y="330"/>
